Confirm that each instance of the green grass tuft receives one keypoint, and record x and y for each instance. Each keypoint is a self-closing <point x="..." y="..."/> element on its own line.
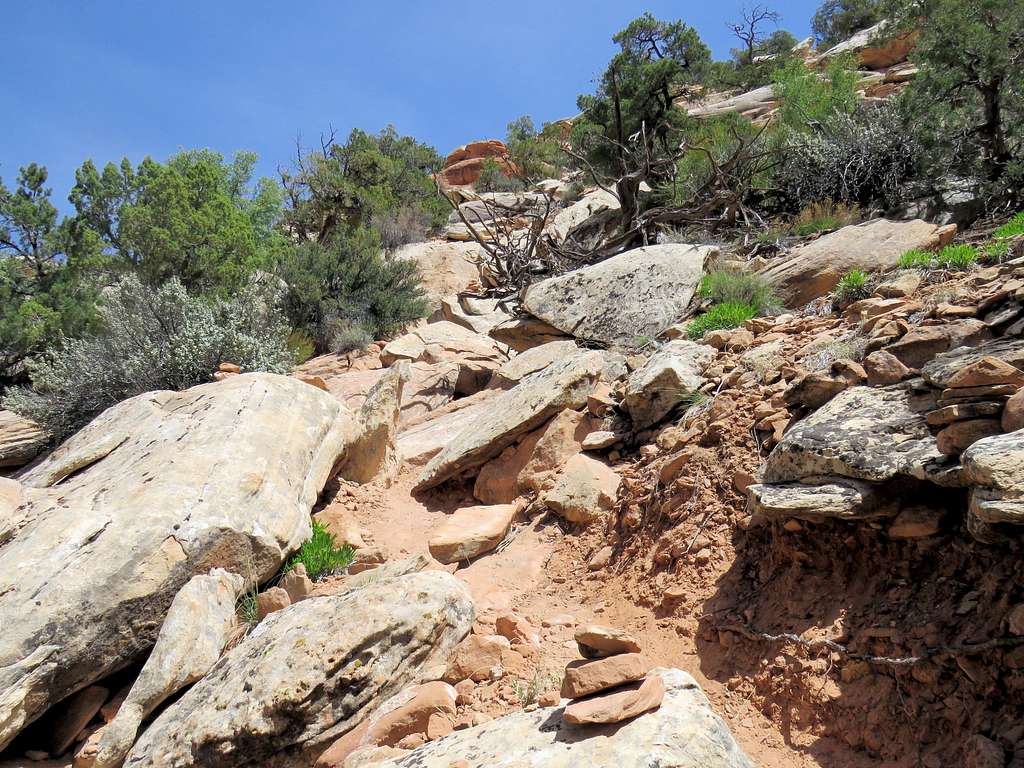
<point x="320" y="554"/>
<point x="731" y="314"/>
<point x="739" y="288"/>
<point x="1012" y="228"/>
<point x="853" y="286"/>
<point x="951" y="257"/>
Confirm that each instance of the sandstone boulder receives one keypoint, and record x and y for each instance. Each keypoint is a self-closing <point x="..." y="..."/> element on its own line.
<point x="583" y="678"/>
<point x="198" y="626"/>
<point x="21" y="440"/>
<point x="669" y="376"/>
<point x="584" y="491"/>
<point x="525" y="332"/>
<point x="940" y="371"/>
<point x="530" y="361"/>
<point x="155" y="490"/>
<point x="623" y="299"/>
<point x="475" y="658"/>
<point x="525" y="407"/>
<point x="296" y="683"/>
<point x="873" y="50"/>
<point x="1013" y="413"/>
<point x="445" y="268"/>
<point x="923" y="343"/>
<point x="594" y="642"/>
<point x="470" y="532"/>
<point x="813" y="270"/>
<point x="592" y="210"/>
<point x="683" y="732"/>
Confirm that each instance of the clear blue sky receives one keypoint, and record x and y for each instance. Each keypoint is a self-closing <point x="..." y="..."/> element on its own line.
<point x="102" y="79"/>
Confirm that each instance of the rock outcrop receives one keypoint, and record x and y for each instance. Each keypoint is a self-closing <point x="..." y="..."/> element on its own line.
<point x="445" y="268"/>
<point x="155" y="490"/>
<point x="525" y="407"/>
<point x="624" y="299"/>
<point x="297" y="682"/>
<point x="683" y="732"/>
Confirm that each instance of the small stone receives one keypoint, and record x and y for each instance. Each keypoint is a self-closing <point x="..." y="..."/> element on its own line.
<point x="982" y="752"/>
<point x="516" y="629"/>
<point x="549" y="699"/>
<point x="438" y="726"/>
<point x="583" y="678"/>
<point x="595" y="441"/>
<point x="742" y="480"/>
<point x="595" y="642"/>
<point x="1013" y="413"/>
<point x="963" y="412"/>
<point x="297" y="583"/>
<point x="470" y="532"/>
<point x="673" y="593"/>
<point x="987" y="372"/>
<point x="229" y="368"/>
<point x="412" y="741"/>
<point x="915" y="523"/>
<point x="883" y="368"/>
<point x="37" y="755"/>
<point x="367" y="559"/>
<point x="601" y="559"/>
<point x="619" y="705"/>
<point x="1015" y="619"/>
<point x="475" y="658"/>
<point x="559" y="620"/>
<point x="274" y="599"/>
<point x="960" y="435"/>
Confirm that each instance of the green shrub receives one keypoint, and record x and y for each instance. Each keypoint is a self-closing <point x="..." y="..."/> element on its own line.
<point x="1013" y="228"/>
<point x="866" y="158"/>
<point x="807" y="98"/>
<point x="349" y="282"/>
<point x="300" y="344"/>
<point x="739" y="288"/>
<point x="320" y="554"/>
<point x="824" y="216"/>
<point x="150" y="339"/>
<point x="727" y="315"/>
<point x="852" y="287"/>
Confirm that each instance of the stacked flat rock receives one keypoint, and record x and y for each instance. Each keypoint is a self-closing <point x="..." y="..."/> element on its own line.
<point x="611" y="684"/>
<point x="971" y="406"/>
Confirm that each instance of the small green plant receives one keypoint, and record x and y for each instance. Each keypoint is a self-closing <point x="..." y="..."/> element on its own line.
<point x="915" y="259"/>
<point x="824" y="216"/>
<point x="957" y="257"/>
<point x="248" y="609"/>
<point x="728" y="315"/>
<point x="995" y="253"/>
<point x="954" y="257"/>
<point x="853" y="286"/>
<point x="320" y="554"/>
<point x="739" y="288"/>
<point x="529" y="692"/>
<point x="1013" y="228"/>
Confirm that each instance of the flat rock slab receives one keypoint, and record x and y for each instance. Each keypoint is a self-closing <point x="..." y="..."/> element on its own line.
<point x="153" y="491"/>
<point x="864" y="433"/>
<point x="814" y="269"/>
<point x="616" y="706"/>
<point x="994" y="467"/>
<point x="583" y="678"/>
<point x="470" y="532"/>
<point x="595" y="641"/>
<point x="533" y="401"/>
<point x="308" y="674"/>
<point x="683" y="733"/>
<point x="624" y="299"/>
<point x="939" y="372"/>
<point x="21" y="440"/>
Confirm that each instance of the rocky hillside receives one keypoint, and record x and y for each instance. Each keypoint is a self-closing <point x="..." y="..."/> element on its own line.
<point x="646" y="485"/>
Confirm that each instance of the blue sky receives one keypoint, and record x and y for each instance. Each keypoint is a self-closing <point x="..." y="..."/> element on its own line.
<point x="101" y="79"/>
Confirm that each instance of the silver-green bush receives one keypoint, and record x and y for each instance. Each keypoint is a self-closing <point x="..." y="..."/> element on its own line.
<point x="151" y="339"/>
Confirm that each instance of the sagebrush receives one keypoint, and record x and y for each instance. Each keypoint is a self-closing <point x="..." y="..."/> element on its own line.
<point x="150" y="339"/>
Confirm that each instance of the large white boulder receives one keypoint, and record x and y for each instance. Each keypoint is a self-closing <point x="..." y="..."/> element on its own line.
<point x="155" y="490"/>
<point x="310" y="673"/>
<point x="625" y="299"/>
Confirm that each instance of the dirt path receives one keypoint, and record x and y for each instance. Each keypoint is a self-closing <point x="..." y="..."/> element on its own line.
<point x="542" y="575"/>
